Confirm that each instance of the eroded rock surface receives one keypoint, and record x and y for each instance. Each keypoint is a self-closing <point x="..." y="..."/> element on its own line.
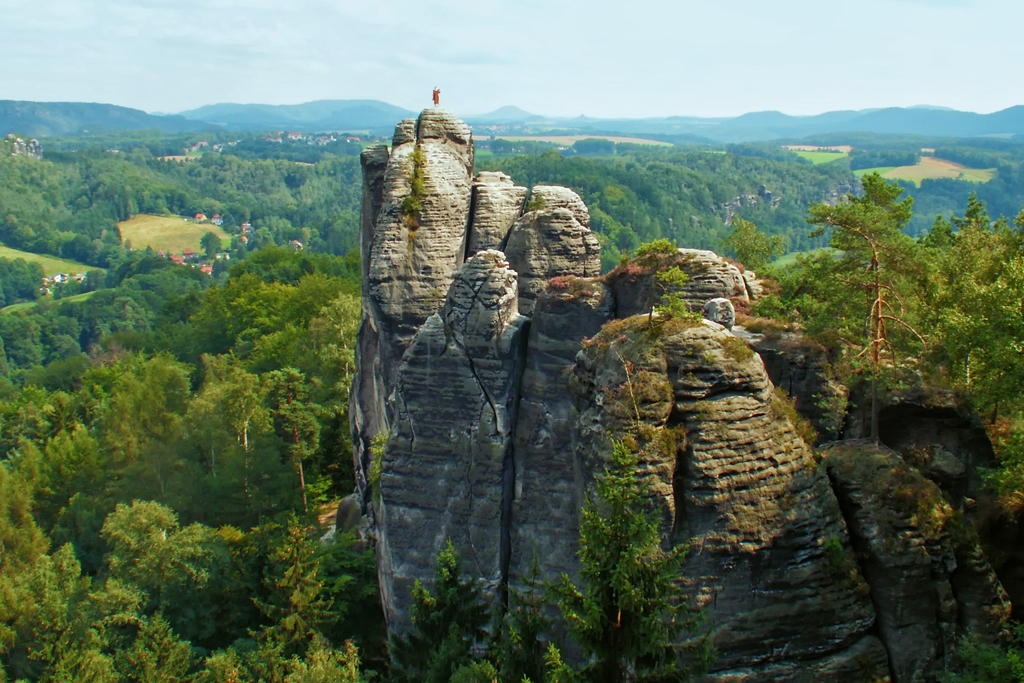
<point x="546" y="504"/>
<point x="905" y="532"/>
<point x="447" y="463"/>
<point x="548" y="243"/>
<point x="736" y="480"/>
<point x="498" y="425"/>
<point x="497" y="203"/>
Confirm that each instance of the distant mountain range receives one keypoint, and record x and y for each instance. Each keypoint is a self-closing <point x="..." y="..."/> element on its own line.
<point x="75" y="118"/>
<point x="320" y="115"/>
<point x="71" y="118"/>
<point x="773" y="125"/>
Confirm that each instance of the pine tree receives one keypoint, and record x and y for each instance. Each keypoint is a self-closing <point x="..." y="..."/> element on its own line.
<point x="447" y="622"/>
<point x="874" y="260"/>
<point x="519" y="651"/>
<point x="296" y="603"/>
<point x="628" y="610"/>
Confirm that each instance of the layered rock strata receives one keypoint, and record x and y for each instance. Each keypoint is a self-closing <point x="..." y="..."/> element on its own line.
<point x="730" y="475"/>
<point x="447" y="463"/>
<point x="497" y="203"/>
<point x="927" y="577"/>
<point x="500" y="377"/>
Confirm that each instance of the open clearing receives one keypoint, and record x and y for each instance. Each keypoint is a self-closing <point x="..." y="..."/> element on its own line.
<point x="931" y="167"/>
<point x="820" y="157"/>
<point x="842" y="149"/>
<point x="570" y="139"/>
<point x="171" y="234"/>
<point x="32" y="304"/>
<point x="51" y="264"/>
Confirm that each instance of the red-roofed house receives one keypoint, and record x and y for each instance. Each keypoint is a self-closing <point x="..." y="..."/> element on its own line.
<point x="206" y="269"/>
<point x="178" y="258"/>
<point x="200" y="218"/>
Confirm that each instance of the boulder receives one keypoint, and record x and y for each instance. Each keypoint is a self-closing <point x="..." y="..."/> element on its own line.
<point x="720" y="311"/>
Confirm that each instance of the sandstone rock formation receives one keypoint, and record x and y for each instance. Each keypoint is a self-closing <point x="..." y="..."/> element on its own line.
<point x="736" y="480"/>
<point x="497" y="203"/>
<point x="448" y="461"/>
<point x="495" y="367"/>
<point x="720" y="311"/>
<point x="926" y="576"/>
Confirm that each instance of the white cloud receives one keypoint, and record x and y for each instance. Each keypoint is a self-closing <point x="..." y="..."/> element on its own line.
<point x="567" y="57"/>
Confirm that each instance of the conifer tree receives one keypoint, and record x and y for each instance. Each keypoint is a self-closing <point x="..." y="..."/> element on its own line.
<point x="447" y="622"/>
<point x="627" y="611"/>
<point x="874" y="260"/>
<point x="296" y="603"/>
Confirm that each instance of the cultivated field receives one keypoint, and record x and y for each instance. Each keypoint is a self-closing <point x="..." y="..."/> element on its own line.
<point x="842" y="149"/>
<point x="820" y="157"/>
<point x="32" y="304"/>
<point x="931" y="167"/>
<point x="171" y="234"/>
<point x="570" y="139"/>
<point x="51" y="264"/>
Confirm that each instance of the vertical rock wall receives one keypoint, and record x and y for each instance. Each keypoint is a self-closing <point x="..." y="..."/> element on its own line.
<point x="500" y="378"/>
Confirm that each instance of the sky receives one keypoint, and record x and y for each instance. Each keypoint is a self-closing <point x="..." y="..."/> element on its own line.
<point x="632" y="58"/>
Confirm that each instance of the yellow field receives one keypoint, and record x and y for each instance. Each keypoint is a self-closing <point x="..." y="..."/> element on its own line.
<point x="51" y="264"/>
<point x="931" y="167"/>
<point x="172" y="234"/>
<point x="570" y="139"/>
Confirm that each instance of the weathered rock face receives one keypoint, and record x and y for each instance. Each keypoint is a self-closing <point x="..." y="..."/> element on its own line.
<point x="415" y="253"/>
<point x="710" y="277"/>
<point x="738" y="482"/>
<point x="497" y="203"/>
<point x="549" y="243"/>
<point x="801" y="367"/>
<point x="923" y="582"/>
<point x="497" y="425"/>
<point x="448" y="461"/>
<point x="546" y="505"/>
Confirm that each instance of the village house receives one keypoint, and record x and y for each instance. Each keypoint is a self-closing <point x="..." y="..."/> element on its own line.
<point x="206" y="269"/>
<point x="246" y="228"/>
<point x="190" y="255"/>
<point x="200" y="218"/>
<point x="178" y="259"/>
<point x="296" y="245"/>
<point x="217" y="219"/>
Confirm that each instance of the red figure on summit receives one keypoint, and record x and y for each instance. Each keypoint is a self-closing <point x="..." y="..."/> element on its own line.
<point x="437" y="97"/>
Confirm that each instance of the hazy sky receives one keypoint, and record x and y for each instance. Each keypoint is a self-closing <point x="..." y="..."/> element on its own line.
<point x="560" y="57"/>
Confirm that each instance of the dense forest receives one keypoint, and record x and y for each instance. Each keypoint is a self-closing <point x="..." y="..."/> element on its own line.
<point x="195" y="426"/>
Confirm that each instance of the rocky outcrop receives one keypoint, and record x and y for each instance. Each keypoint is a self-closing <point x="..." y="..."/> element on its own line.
<point x="802" y="368"/>
<point x="710" y="277"/>
<point x="448" y="462"/>
<point x="905" y="533"/>
<point x="497" y="203"/>
<point x="545" y="508"/>
<point x="499" y="379"/>
<point x="31" y="148"/>
<point x="729" y="473"/>
<point x="548" y="243"/>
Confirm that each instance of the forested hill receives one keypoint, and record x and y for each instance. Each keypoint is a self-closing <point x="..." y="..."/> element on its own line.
<point x="69" y="203"/>
<point x="686" y="196"/>
<point x="73" y="118"/>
